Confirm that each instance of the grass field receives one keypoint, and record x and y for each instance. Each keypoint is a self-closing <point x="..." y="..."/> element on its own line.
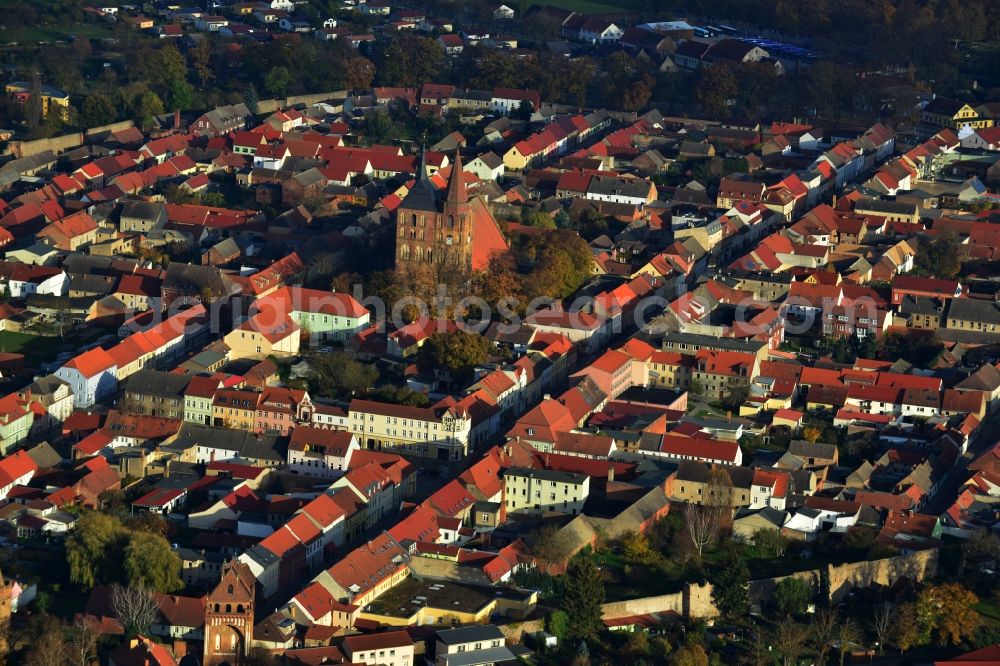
<point x="53" y="33"/>
<point x="598" y="7"/>
<point x="36" y="348"/>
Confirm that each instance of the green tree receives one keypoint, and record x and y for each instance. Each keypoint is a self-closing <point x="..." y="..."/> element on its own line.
<point x="378" y="126"/>
<point x="337" y="375"/>
<point x="277" y="81"/>
<point x="93" y="549"/>
<point x="151" y="564"/>
<point x="181" y="95"/>
<point x="582" y="599"/>
<point x="731" y="588"/>
<point x="458" y="353"/>
<point x="97" y="110"/>
<point x="250" y="99"/>
<point x="557" y="624"/>
<point x="791" y="596"/>
<point x="941" y="258"/>
<point x="540" y="220"/>
<point x="150" y="106"/>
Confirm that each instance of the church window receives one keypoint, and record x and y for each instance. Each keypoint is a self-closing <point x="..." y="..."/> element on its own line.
<point x="413" y="219"/>
<point x="448" y="240"/>
<point x="218" y="642"/>
<point x="230" y="590"/>
<point x="451" y="221"/>
<point x="229" y="608"/>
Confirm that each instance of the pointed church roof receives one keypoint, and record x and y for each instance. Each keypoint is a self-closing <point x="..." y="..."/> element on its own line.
<point x="422" y="195"/>
<point x="456" y="185"/>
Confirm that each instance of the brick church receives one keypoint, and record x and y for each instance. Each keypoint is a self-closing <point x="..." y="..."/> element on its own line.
<point x="449" y="227"/>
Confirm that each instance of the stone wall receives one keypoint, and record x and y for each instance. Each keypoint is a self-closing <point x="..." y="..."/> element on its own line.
<point x="664" y="603"/>
<point x="515" y="631"/>
<point x="761" y="590"/>
<point x="64" y="142"/>
<point x="695" y="601"/>
<point x="108" y="129"/>
<point x="269" y="106"/>
<point x="845" y="577"/>
<point x="56" y="144"/>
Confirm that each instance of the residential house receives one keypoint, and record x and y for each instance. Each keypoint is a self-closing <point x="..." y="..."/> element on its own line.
<point x="262" y="335"/>
<point x="320" y="452"/>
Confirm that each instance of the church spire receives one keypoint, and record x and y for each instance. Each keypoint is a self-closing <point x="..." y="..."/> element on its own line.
<point x="422" y="174"/>
<point x="456" y="184"/>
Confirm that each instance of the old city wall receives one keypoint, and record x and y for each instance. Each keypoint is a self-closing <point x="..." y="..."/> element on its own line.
<point x="63" y="142"/>
<point x="696" y="600"/>
<point x="915" y="566"/>
<point x="268" y="106"/>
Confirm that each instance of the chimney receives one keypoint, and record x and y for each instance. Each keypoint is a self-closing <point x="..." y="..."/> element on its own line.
<point x="611" y="473"/>
<point x="177" y="119"/>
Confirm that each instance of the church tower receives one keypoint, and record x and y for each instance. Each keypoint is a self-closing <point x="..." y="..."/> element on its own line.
<point x="434" y="229"/>
<point x="229" y="617"/>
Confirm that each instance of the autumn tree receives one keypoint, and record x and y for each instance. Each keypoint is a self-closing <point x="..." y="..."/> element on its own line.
<point x="716" y="87"/>
<point x="689" y="655"/>
<point x="635" y="546"/>
<point x="849" y="637"/>
<point x="947" y="611"/>
<point x="906" y="631"/>
<point x="582" y="598"/>
<point x="359" y="72"/>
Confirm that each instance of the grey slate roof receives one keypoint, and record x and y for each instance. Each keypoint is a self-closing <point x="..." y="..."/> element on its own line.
<point x="157" y="383"/>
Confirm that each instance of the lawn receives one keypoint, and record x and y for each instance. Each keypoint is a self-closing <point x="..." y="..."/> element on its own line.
<point x="37" y="348"/>
<point x="598" y="7"/>
<point x="53" y="33"/>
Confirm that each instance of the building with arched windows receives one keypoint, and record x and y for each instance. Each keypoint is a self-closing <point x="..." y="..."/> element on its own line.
<point x="446" y="228"/>
<point x="229" y="616"/>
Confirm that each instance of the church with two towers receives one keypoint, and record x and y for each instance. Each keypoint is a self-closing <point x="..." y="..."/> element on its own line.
<point x="446" y="227"/>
